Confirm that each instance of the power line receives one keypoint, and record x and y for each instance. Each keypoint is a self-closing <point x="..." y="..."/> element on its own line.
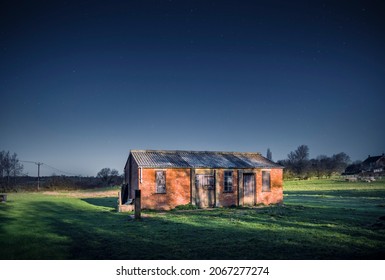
<point x="61" y="171"/>
<point x="49" y="166"/>
<point x="38" y="171"/>
<point x="28" y="161"/>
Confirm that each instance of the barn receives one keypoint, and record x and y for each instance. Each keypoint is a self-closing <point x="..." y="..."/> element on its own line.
<point x="205" y="179"/>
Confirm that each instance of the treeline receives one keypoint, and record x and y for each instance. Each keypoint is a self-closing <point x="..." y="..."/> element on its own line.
<point x="109" y="176"/>
<point x="13" y="179"/>
<point x="10" y="168"/>
<point x="53" y="182"/>
<point x="299" y="165"/>
<point x="57" y="182"/>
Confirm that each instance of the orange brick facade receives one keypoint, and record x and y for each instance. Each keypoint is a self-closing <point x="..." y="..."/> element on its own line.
<point x="181" y="187"/>
<point x="275" y="195"/>
<point x="177" y="189"/>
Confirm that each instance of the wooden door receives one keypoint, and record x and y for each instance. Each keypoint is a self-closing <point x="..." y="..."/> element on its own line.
<point x="249" y="189"/>
<point x="205" y="190"/>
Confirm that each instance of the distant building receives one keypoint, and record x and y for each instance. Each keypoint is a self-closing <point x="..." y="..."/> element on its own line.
<point x="374" y="164"/>
<point x="205" y="179"/>
<point x="370" y="167"/>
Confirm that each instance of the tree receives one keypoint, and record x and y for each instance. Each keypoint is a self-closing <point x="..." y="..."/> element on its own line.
<point x="288" y="172"/>
<point x="17" y="167"/>
<point x="107" y="175"/>
<point x="6" y="165"/>
<point x="340" y="162"/>
<point x="298" y="161"/>
<point x="104" y="174"/>
<point x="269" y="155"/>
<point x="9" y="165"/>
<point x="320" y="165"/>
<point x="2" y="156"/>
<point x="114" y="173"/>
<point x="299" y="165"/>
<point x="327" y="166"/>
<point x="301" y="154"/>
<point x="354" y="168"/>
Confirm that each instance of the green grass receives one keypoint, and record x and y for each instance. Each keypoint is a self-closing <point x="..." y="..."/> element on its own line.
<point x="320" y="219"/>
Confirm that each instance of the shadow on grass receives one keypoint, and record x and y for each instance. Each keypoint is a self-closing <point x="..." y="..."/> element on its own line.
<point x="4" y="217"/>
<point x="67" y="230"/>
<point x="359" y="193"/>
<point x="110" y="202"/>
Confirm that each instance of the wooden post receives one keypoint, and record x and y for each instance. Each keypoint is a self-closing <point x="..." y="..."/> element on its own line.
<point x="119" y="202"/>
<point x="216" y="188"/>
<point x="3" y="197"/>
<point x="38" y="174"/>
<point x="192" y="187"/>
<point x="137" y="205"/>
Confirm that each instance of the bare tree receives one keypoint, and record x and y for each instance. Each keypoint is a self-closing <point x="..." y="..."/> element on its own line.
<point x="301" y="154"/>
<point x="104" y="174"/>
<point x="298" y="161"/>
<point x="2" y="156"/>
<point x="9" y="165"/>
<point x="107" y="175"/>
<point x="320" y="165"/>
<point x="299" y="165"/>
<point x="340" y="162"/>
<point x="17" y="167"/>
<point x="114" y="172"/>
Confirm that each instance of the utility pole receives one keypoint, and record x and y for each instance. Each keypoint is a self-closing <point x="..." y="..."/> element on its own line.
<point x="38" y="171"/>
<point x="38" y="174"/>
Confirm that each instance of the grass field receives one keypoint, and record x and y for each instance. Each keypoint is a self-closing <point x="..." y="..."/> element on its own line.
<point x="320" y="219"/>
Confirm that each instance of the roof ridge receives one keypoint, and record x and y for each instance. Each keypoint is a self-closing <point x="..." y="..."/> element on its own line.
<point x="201" y="159"/>
<point x="196" y="152"/>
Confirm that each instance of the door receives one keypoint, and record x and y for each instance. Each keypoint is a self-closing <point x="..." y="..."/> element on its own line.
<point x="205" y="190"/>
<point x="249" y="189"/>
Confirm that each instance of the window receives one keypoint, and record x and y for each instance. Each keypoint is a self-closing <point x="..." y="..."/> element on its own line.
<point x="265" y="181"/>
<point x="205" y="181"/>
<point x="228" y="181"/>
<point x="160" y="181"/>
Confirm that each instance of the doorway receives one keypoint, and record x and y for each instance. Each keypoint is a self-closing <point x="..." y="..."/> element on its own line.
<point x="249" y="189"/>
<point x="205" y="190"/>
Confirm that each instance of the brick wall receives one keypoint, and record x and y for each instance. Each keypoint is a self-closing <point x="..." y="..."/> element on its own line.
<point x="226" y="199"/>
<point x="276" y="192"/>
<point x="177" y="189"/>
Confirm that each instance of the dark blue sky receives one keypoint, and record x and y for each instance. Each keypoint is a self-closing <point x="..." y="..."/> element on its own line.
<point x="83" y="82"/>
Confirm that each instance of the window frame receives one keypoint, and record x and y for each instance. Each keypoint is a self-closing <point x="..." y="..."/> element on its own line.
<point x="226" y="187"/>
<point x="157" y="187"/>
<point x="205" y="181"/>
<point x="266" y="188"/>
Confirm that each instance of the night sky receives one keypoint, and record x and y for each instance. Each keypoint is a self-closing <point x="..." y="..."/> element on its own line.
<point x="83" y="82"/>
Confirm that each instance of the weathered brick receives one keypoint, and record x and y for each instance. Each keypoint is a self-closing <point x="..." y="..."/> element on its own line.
<point x="179" y="187"/>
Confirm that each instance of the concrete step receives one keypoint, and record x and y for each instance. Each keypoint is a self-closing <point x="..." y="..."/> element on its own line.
<point x="126" y="208"/>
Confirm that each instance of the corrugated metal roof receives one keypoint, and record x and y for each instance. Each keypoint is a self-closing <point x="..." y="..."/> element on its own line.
<point x="197" y="159"/>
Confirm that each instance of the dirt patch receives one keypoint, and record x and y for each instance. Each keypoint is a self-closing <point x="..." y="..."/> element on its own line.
<point x="83" y="194"/>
